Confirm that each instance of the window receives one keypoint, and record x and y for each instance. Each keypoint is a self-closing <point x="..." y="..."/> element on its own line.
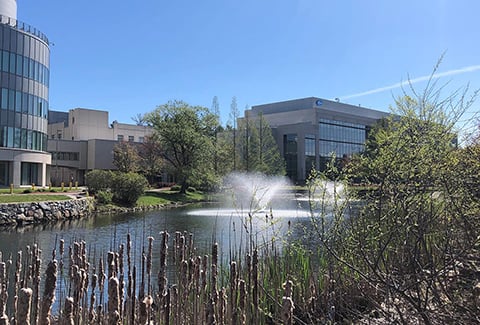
<point x="141" y="139"/>
<point x="131" y="138"/>
<point x="120" y="137"/>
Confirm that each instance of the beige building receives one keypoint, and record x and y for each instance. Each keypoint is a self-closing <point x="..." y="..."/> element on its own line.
<point x="82" y="139"/>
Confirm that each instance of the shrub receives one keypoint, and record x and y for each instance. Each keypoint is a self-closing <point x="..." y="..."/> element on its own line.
<point x="26" y="191"/>
<point x="104" y="197"/>
<point x="191" y="189"/>
<point x="128" y="187"/>
<point x="175" y="187"/>
<point x="98" y="180"/>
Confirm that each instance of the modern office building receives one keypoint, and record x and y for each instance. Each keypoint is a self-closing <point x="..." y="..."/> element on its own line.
<point x="24" y="83"/>
<point x="82" y="139"/>
<point x="309" y="130"/>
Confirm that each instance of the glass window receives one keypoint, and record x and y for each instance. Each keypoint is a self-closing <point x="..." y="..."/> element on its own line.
<point x="120" y="137"/>
<point x="141" y="139"/>
<point x="309" y="145"/>
<point x="12" y="63"/>
<point x="18" y="101"/>
<point x="130" y="138"/>
<point x="5" y="61"/>
<point x="4" y="95"/>
<point x="19" y="70"/>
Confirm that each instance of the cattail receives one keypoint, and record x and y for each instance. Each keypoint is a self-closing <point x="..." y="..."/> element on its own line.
<point x="214" y="292"/>
<point x="68" y="312"/>
<point x="101" y="283"/>
<point x="167" y="306"/>
<point x="91" y="314"/>
<point x="175" y="303"/>
<point x="121" y="276"/>
<point x="222" y="306"/>
<point x="36" y="262"/>
<point x="3" y="289"/>
<point x="183" y="288"/>
<point x="243" y="301"/>
<point x="233" y="292"/>
<point x="48" y="292"/>
<point x="113" y="301"/>
<point x="111" y="264"/>
<point x="287" y="303"/>
<point x="23" y="306"/>
<point x="190" y="247"/>
<point x="149" y="263"/>
<point x="18" y="270"/>
<point x="144" y="309"/>
<point x="204" y="274"/>
<point x="162" y="279"/>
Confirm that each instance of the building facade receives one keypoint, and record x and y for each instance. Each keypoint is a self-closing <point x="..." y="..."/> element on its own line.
<point x="24" y="85"/>
<point x="82" y="139"/>
<point x="310" y="130"/>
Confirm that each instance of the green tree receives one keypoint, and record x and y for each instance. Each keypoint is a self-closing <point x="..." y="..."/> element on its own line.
<point x="413" y="227"/>
<point x="234" y="114"/>
<point x="125" y="157"/>
<point x="257" y="147"/>
<point x="186" y="135"/>
<point x="150" y="158"/>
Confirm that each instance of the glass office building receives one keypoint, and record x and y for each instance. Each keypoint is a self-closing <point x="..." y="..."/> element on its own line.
<point x="309" y="131"/>
<point x="24" y="83"/>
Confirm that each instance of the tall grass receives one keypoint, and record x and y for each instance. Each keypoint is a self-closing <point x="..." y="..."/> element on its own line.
<point x="266" y="285"/>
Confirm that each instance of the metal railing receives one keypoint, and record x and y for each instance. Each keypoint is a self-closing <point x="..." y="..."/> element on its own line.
<point x="21" y="26"/>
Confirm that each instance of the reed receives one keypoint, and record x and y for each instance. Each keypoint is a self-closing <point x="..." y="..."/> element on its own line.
<point x="255" y="289"/>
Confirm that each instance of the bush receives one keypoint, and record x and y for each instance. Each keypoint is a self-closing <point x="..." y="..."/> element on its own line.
<point x="99" y="180"/>
<point x="104" y="197"/>
<point x="191" y="189"/>
<point x="175" y="187"/>
<point x="27" y="191"/>
<point x="128" y="187"/>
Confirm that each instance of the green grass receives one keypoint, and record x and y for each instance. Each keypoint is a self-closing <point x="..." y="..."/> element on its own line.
<point x="35" y="197"/>
<point x="166" y="197"/>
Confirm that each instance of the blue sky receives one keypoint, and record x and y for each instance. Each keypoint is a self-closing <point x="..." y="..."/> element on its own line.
<point x="127" y="57"/>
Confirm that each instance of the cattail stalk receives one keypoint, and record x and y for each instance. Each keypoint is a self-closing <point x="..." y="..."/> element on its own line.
<point x="48" y="293"/>
<point x="23" y="307"/>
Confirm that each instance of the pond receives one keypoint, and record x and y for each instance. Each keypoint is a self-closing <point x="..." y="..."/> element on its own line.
<point x="207" y="222"/>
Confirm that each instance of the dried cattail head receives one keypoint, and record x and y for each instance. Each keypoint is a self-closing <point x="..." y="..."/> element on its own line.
<point x="48" y="292"/>
<point x="288" y="287"/>
<point x="23" y="306"/>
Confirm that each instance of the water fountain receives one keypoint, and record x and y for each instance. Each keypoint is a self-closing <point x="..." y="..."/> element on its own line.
<point x="255" y="194"/>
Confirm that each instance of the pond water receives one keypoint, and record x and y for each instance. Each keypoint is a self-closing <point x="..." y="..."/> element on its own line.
<point x="208" y="223"/>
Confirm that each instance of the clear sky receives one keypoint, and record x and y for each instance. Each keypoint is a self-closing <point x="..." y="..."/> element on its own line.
<point x="127" y="57"/>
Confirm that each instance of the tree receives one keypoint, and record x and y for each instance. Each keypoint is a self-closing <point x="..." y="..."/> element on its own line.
<point x="139" y="119"/>
<point x="125" y="157"/>
<point x="419" y="222"/>
<point x="150" y="157"/>
<point x="185" y="134"/>
<point x="234" y="114"/>
<point x="257" y="147"/>
<point x="216" y="111"/>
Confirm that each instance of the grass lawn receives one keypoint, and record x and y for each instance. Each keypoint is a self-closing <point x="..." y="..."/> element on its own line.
<point x="33" y="197"/>
<point x="166" y="197"/>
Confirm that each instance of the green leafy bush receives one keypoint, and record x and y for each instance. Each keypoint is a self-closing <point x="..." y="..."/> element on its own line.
<point x="128" y="187"/>
<point x="175" y="188"/>
<point x="99" y="180"/>
<point x="104" y="197"/>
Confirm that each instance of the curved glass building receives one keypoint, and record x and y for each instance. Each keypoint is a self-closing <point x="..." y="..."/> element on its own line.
<point x="24" y="81"/>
